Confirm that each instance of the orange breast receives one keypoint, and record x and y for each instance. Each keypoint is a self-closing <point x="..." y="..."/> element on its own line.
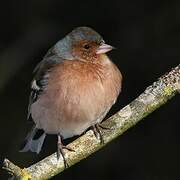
<point x="80" y="93"/>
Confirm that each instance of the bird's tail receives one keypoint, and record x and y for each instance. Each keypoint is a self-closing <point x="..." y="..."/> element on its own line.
<point x="34" y="140"/>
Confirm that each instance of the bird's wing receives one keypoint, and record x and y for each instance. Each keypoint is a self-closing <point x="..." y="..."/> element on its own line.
<point x="40" y="79"/>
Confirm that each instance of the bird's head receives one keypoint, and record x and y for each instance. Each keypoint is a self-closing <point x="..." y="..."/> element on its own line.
<point x="83" y="43"/>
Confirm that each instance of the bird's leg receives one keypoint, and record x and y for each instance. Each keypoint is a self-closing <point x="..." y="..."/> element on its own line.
<point x="97" y="132"/>
<point x="60" y="151"/>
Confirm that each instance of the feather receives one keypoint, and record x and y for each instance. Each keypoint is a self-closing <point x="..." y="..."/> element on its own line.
<point x="33" y="143"/>
<point x="40" y="80"/>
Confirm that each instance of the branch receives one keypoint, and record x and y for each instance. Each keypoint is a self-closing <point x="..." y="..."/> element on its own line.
<point x="152" y="98"/>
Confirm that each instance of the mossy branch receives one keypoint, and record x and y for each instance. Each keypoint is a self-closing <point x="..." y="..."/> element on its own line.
<point x="153" y="97"/>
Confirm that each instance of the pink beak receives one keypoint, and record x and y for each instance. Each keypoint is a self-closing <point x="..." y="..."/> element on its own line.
<point x="104" y="48"/>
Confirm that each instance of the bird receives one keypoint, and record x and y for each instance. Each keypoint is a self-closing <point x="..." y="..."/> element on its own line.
<point x="73" y="88"/>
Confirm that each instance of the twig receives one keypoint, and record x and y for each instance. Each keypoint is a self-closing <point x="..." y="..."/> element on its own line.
<point x="153" y="97"/>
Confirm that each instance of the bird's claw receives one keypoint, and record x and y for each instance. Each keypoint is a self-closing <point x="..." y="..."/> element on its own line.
<point x="105" y="127"/>
<point x="98" y="133"/>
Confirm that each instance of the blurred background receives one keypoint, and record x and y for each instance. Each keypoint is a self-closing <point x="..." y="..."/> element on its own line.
<point x="147" y="36"/>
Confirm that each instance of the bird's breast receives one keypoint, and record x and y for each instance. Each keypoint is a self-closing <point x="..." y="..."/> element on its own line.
<point x="78" y="94"/>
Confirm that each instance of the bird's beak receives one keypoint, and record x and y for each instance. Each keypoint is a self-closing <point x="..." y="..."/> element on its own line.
<point x="104" y="48"/>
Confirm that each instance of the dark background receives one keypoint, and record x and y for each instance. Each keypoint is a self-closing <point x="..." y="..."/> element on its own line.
<point x="146" y="34"/>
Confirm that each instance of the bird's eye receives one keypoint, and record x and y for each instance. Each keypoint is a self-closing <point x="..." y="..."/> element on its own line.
<point x="86" y="46"/>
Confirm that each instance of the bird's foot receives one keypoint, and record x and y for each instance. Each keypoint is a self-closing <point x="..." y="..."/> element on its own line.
<point x="60" y="151"/>
<point x="97" y="129"/>
<point x="98" y="133"/>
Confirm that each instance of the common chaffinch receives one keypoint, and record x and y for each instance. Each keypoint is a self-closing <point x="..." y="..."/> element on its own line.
<point x="74" y="87"/>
